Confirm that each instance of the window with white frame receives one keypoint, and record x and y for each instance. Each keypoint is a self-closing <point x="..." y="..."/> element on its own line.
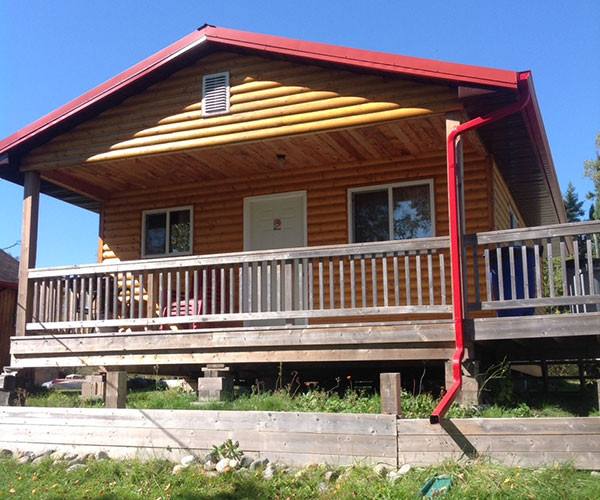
<point x="167" y="232"/>
<point x="392" y="212"/>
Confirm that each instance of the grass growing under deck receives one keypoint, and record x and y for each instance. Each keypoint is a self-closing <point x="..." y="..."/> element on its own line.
<point x="315" y="400"/>
<point x="123" y="480"/>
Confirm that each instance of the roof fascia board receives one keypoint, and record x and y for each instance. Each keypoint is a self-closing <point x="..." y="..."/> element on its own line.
<point x="410" y="66"/>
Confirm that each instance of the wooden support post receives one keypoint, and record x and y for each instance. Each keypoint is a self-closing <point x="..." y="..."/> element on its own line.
<point x="391" y="393"/>
<point x="116" y="389"/>
<point x="216" y="384"/>
<point x="469" y="393"/>
<point x="31" y="202"/>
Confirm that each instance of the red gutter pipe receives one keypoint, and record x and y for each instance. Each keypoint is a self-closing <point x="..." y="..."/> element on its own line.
<point x="455" y="239"/>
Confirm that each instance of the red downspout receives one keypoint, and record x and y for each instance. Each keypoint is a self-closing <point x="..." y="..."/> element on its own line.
<point x="455" y="250"/>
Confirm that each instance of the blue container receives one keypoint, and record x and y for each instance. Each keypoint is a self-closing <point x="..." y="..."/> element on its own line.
<point x="519" y="281"/>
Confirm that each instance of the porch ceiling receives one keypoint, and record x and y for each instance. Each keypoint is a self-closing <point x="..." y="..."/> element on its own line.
<point x="419" y="137"/>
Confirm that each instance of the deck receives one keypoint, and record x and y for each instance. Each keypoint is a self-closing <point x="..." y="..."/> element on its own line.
<point x="387" y="301"/>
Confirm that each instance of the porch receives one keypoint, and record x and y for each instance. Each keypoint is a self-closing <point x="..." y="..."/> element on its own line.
<point x="386" y="301"/>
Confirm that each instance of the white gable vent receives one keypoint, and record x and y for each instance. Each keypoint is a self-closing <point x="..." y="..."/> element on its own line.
<point x="215" y="94"/>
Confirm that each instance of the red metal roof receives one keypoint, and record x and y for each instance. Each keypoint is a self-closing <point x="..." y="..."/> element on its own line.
<point x="318" y="52"/>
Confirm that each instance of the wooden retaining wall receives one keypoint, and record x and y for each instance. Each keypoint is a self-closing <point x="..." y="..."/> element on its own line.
<point x="301" y="438"/>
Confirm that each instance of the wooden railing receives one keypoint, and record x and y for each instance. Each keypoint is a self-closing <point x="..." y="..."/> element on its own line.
<point x="292" y="285"/>
<point x="524" y="269"/>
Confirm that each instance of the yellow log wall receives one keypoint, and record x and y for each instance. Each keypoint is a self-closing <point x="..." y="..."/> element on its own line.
<point x="218" y="205"/>
<point x="269" y="98"/>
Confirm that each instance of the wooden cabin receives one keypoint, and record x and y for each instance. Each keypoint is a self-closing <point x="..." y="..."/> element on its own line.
<point x="265" y="200"/>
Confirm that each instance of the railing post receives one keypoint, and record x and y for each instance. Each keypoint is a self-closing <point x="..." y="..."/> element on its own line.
<point x="31" y="201"/>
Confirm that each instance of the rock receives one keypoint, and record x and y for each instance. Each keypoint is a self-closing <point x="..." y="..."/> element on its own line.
<point x="269" y="472"/>
<point x="381" y="469"/>
<point x="25" y="459"/>
<point x="69" y="456"/>
<point x="223" y="465"/>
<point x="595" y="473"/>
<point x="259" y="463"/>
<point x="178" y="468"/>
<point x="291" y="470"/>
<point x="323" y="487"/>
<point x="209" y="466"/>
<point x="6" y="453"/>
<point x="39" y="460"/>
<point x="405" y="469"/>
<point x="211" y="473"/>
<point x="79" y="460"/>
<point x="331" y="476"/>
<point x="75" y="467"/>
<point x="234" y="464"/>
<point x="394" y="476"/>
<point x="188" y="460"/>
<point x="101" y="455"/>
<point x="58" y="455"/>
<point x="211" y="457"/>
<point x="246" y="461"/>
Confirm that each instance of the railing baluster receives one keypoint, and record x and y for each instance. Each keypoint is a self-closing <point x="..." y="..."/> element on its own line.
<point x="244" y="287"/>
<point x="305" y="283"/>
<point x="82" y="299"/>
<point x="141" y="296"/>
<point x="384" y="272"/>
<point x="195" y="293"/>
<point x="106" y="291"/>
<point x="396" y="281"/>
<point x="50" y="316"/>
<point x="577" y="276"/>
<point x="331" y="285"/>
<point x="563" y="266"/>
<point x="169" y="294"/>
<point x="296" y="286"/>
<point x="231" y="290"/>
<point x="115" y="297"/>
<point x="99" y="302"/>
<point x="525" y="270"/>
<point x="590" y="265"/>
<point x="443" y="278"/>
<point x="204" y="291"/>
<point x="352" y="283"/>
<point x="283" y="285"/>
<point x="374" y="278"/>
<point x="538" y="270"/>
<point x="222" y="290"/>
<point x="430" y="276"/>
<point x="407" y="279"/>
<point x="513" y="279"/>
<point x="363" y="278"/>
<point x="186" y="292"/>
<point x="500" y="276"/>
<point x="255" y="288"/>
<point x="273" y="266"/>
<point x="213" y="290"/>
<point x="265" y="280"/>
<point x="419" y="280"/>
<point x="132" y="297"/>
<point x="178" y="293"/>
<point x="488" y="273"/>
<point x="550" y="267"/>
<point x="321" y="292"/>
<point x="161" y="294"/>
<point x="311" y="285"/>
<point x="58" y="310"/>
<point x="342" y="284"/>
<point x="74" y="299"/>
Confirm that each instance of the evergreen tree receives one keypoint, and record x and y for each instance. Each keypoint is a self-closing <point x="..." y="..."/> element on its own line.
<point x="592" y="172"/>
<point x="572" y="204"/>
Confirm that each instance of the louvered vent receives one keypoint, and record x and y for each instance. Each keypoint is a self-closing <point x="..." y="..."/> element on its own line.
<point x="215" y="94"/>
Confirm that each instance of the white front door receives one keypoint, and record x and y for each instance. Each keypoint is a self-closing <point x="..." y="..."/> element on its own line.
<point x="275" y="221"/>
<point x="271" y="222"/>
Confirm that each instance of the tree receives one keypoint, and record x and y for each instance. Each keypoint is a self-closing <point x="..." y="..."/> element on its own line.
<point x="592" y="172"/>
<point x="572" y="204"/>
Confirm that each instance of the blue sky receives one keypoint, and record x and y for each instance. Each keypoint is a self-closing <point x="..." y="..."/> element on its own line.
<point x="52" y="52"/>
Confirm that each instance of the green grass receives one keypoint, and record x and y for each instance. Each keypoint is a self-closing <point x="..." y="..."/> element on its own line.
<point x="352" y="401"/>
<point x="123" y="480"/>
